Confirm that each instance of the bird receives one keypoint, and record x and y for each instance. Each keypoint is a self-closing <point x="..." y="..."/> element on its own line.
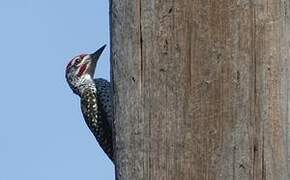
<point x="95" y="97"/>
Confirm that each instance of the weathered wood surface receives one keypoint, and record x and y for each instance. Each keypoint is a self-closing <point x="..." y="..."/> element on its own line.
<point x="201" y="89"/>
<point x="288" y="140"/>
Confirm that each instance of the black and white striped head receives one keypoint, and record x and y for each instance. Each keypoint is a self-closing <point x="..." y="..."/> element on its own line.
<point x="81" y="69"/>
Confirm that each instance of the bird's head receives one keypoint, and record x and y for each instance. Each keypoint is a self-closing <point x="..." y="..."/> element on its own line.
<point x="80" y="70"/>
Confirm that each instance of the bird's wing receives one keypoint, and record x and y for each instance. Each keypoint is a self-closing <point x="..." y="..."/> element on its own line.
<point x="104" y="96"/>
<point x="95" y="118"/>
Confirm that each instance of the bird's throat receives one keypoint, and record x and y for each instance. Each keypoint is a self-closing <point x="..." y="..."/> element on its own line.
<point x="86" y="83"/>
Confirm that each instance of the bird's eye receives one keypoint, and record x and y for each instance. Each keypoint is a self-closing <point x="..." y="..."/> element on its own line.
<point x="78" y="60"/>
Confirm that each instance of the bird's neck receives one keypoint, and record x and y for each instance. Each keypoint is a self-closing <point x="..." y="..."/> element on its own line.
<point x="86" y="82"/>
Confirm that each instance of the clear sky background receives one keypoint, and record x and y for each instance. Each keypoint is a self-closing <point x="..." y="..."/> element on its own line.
<point x="42" y="133"/>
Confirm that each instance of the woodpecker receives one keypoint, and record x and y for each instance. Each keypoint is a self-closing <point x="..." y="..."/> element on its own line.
<point x="95" y="97"/>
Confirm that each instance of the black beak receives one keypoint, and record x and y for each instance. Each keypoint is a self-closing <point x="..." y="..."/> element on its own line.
<point x="95" y="56"/>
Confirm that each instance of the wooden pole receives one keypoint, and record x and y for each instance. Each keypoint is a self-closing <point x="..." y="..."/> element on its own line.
<point x="201" y="89"/>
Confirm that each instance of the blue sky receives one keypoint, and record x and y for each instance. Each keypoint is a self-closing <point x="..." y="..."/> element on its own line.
<point x="42" y="132"/>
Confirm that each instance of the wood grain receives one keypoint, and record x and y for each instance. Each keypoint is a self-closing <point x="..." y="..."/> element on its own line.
<point x="201" y="89"/>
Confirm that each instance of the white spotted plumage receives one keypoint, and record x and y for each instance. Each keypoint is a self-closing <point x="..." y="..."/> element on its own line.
<point x="95" y="95"/>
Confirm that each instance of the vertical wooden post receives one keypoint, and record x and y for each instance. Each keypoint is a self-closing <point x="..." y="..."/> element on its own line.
<point x="201" y="89"/>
